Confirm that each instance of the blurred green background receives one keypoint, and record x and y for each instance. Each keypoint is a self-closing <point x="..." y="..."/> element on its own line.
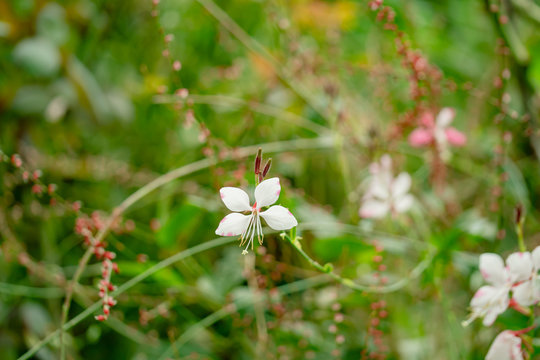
<point x="90" y="94"/>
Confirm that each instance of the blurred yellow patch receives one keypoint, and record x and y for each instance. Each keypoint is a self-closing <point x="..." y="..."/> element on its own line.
<point x="154" y="84"/>
<point x="322" y="14"/>
<point x="262" y="67"/>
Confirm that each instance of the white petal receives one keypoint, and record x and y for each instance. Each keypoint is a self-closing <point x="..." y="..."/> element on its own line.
<point x="233" y="224"/>
<point x="489" y="302"/>
<point x="445" y="117"/>
<point x="403" y="203"/>
<point x="386" y="163"/>
<point x="279" y="218"/>
<point x="536" y="258"/>
<point x="372" y="208"/>
<point x="378" y="188"/>
<point x="506" y="346"/>
<point x="525" y="294"/>
<point x="235" y="199"/>
<point x="520" y="266"/>
<point x="492" y="269"/>
<point x="267" y="192"/>
<point x="401" y="184"/>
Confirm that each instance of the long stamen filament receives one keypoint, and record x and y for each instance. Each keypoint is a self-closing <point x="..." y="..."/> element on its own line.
<point x="243" y="238"/>
<point x="260" y="235"/>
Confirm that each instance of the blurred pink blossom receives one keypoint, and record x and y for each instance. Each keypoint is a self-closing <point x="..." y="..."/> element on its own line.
<point x="438" y="131"/>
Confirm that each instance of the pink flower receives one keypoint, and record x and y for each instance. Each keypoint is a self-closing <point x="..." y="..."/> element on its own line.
<point x="438" y="131"/>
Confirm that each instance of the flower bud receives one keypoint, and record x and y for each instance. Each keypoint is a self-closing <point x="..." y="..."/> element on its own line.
<point x="267" y="167"/>
<point x="258" y="160"/>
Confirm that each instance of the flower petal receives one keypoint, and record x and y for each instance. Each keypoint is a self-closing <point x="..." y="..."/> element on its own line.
<point x="420" y="137"/>
<point x="379" y="187"/>
<point x="455" y="137"/>
<point x="445" y="117"/>
<point x="520" y="266"/>
<point x="233" y="224"/>
<point x="267" y="192"/>
<point x="536" y="258"/>
<point x="374" y="209"/>
<point x="235" y="199"/>
<point x="489" y="302"/>
<point x="506" y="346"/>
<point x="526" y="293"/>
<point x="279" y="218"/>
<point x="401" y="184"/>
<point x="403" y="203"/>
<point x="492" y="269"/>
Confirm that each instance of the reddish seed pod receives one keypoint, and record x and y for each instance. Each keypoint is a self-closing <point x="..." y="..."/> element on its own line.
<point x="51" y="188"/>
<point x="518" y="213"/>
<point x="267" y="167"/>
<point x="16" y="160"/>
<point x="36" y="189"/>
<point x="258" y="160"/>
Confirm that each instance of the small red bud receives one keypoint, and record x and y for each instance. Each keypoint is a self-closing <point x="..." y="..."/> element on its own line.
<point x="267" y="167"/>
<point x="258" y="160"/>
<point x="16" y="160"/>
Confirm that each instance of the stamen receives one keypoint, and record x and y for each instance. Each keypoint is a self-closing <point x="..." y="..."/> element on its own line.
<point x="243" y="237"/>
<point x="260" y="235"/>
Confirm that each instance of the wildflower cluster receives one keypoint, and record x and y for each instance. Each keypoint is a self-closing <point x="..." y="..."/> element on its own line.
<point x="88" y="227"/>
<point x="513" y="284"/>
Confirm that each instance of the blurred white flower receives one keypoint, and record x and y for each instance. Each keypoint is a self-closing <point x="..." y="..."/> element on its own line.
<point x="506" y="346"/>
<point x="491" y="300"/>
<point x="266" y="194"/>
<point x="527" y="290"/>
<point x="386" y="194"/>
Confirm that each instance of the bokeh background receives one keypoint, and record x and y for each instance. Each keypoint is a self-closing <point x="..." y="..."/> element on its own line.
<point x="102" y="97"/>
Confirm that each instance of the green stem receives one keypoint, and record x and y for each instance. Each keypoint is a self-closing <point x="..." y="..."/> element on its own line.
<point x="163" y="180"/>
<point x="258" y="107"/>
<point x="296" y="286"/>
<point x="126" y="286"/>
<point x="29" y="291"/>
<point x="328" y="269"/>
<point x="254" y="46"/>
<point x="521" y="241"/>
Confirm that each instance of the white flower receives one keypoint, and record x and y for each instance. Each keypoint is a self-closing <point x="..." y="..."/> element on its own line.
<point x="266" y="193"/>
<point x="527" y="291"/>
<point x="506" y="346"/>
<point x="491" y="300"/>
<point x="385" y="193"/>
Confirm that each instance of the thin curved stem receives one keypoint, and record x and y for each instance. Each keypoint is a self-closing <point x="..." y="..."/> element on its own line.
<point x="254" y="46"/>
<point x="258" y="107"/>
<point x="163" y="180"/>
<point x="126" y="286"/>
<point x="30" y="291"/>
<point x="328" y="269"/>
